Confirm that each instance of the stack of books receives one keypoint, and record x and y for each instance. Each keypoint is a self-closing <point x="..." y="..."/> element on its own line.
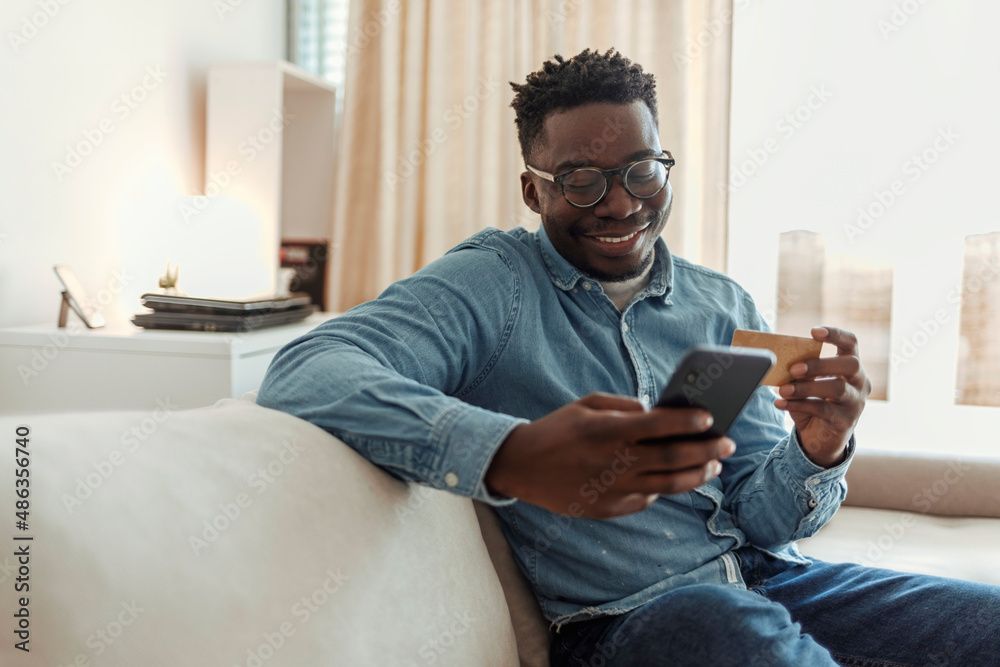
<point x="171" y="311"/>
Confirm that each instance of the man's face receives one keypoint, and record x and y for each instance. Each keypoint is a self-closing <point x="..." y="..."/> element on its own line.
<point x="606" y="136"/>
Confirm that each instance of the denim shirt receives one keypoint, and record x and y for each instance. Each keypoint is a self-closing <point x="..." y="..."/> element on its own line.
<point x="428" y="380"/>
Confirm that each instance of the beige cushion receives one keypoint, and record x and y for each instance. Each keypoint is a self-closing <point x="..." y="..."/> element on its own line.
<point x="396" y="574"/>
<point x="954" y="486"/>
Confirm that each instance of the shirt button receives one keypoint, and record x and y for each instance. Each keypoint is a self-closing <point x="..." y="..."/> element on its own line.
<point x="451" y="479"/>
<point x="812" y="503"/>
<point x="625" y="327"/>
<point x="645" y="399"/>
<point x="814" y="482"/>
<point x="576" y="291"/>
<point x="586" y="286"/>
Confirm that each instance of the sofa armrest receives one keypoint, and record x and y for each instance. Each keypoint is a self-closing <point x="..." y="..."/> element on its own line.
<point x="241" y="534"/>
<point x="927" y="484"/>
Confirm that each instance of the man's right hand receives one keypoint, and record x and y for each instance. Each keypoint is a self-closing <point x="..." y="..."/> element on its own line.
<point x="599" y="457"/>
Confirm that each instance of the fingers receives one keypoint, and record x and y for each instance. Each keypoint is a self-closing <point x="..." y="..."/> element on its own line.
<point x="826" y="366"/>
<point x="814" y="407"/>
<point x="679" y="455"/>
<point x="591" y="448"/>
<point x="839" y="418"/>
<point x="845" y="341"/>
<point x="826" y="396"/>
<point x="646" y="489"/>
<point x="838" y="423"/>
<point x="654" y="424"/>
<point x="835" y="389"/>
<point x="846" y="366"/>
<point x="677" y="482"/>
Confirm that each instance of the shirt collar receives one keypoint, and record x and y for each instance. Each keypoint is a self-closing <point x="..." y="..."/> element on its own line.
<point x="565" y="276"/>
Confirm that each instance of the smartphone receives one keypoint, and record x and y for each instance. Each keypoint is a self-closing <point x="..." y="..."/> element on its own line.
<point x="719" y="379"/>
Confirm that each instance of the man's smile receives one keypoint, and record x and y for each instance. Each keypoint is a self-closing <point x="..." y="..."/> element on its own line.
<point x="615" y="243"/>
<point x="616" y="239"/>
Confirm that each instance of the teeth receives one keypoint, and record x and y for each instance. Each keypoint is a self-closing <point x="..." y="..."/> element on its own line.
<point x="616" y="239"/>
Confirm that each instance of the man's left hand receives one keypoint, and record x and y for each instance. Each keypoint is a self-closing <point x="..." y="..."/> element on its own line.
<point x="826" y="397"/>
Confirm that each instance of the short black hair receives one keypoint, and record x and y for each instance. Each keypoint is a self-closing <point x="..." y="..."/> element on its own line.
<point x="587" y="77"/>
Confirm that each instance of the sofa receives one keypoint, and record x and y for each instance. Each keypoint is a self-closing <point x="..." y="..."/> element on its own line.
<point x="238" y="535"/>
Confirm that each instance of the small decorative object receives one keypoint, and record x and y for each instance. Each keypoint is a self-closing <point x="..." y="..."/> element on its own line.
<point x="309" y="258"/>
<point x="168" y="281"/>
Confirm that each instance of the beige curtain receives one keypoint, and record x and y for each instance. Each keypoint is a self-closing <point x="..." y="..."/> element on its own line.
<point x="428" y="152"/>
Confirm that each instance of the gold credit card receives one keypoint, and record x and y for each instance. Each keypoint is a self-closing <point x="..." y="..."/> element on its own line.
<point x="788" y="349"/>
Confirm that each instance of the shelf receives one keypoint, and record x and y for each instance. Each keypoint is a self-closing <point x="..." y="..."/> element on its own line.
<point x="270" y="127"/>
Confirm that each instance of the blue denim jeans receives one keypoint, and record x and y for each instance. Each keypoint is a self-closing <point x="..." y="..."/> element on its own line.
<point x="801" y="615"/>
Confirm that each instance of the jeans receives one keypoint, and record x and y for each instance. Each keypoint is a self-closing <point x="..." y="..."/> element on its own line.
<point x="801" y="615"/>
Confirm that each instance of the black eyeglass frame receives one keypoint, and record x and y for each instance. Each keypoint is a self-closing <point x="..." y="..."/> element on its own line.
<point x="667" y="160"/>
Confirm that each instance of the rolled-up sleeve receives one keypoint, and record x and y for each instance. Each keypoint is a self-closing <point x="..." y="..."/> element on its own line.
<point x="788" y="497"/>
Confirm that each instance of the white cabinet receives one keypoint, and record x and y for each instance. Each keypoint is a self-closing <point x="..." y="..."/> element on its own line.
<point x="45" y="369"/>
<point x="270" y="143"/>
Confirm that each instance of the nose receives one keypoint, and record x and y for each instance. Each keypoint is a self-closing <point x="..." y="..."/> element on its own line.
<point x="617" y="202"/>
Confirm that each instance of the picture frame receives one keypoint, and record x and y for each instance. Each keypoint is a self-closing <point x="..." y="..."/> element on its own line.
<point x="75" y="297"/>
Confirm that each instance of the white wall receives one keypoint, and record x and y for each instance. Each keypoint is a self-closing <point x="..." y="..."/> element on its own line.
<point x="61" y="85"/>
<point x="887" y="106"/>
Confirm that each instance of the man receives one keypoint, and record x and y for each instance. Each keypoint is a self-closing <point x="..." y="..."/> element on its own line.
<point x="468" y="376"/>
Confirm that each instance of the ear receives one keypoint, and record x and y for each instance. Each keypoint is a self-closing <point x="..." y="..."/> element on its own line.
<point x="529" y="193"/>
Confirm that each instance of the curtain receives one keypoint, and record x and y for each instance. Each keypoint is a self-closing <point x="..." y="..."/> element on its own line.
<point x="428" y="151"/>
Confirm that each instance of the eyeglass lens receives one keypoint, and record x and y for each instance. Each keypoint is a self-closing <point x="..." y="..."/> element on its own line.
<point x="584" y="187"/>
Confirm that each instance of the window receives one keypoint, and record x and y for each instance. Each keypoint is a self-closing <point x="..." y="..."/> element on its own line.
<point x="978" y="378"/>
<point x="317" y="40"/>
<point x="848" y="292"/>
<point x="862" y="154"/>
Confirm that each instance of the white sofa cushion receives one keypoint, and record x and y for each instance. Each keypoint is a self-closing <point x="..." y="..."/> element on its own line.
<point x="961" y="548"/>
<point x="329" y="558"/>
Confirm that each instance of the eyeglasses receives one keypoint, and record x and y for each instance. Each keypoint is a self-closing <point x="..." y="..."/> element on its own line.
<point x="586" y="186"/>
